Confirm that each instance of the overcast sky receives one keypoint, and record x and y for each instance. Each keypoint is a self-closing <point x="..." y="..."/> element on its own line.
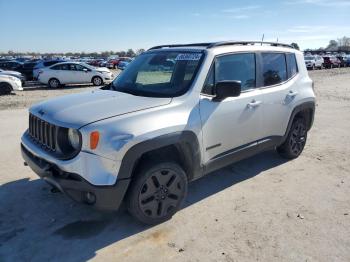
<point x="100" y="25"/>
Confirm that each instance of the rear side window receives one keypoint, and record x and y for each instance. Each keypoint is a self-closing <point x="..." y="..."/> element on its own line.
<point x="274" y="68"/>
<point x="292" y="67"/>
<point x="61" y="67"/>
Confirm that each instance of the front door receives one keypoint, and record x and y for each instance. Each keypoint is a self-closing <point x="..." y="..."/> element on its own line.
<point x="235" y="122"/>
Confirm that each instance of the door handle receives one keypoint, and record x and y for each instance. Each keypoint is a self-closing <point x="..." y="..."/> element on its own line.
<point x="292" y="94"/>
<point x="254" y="104"/>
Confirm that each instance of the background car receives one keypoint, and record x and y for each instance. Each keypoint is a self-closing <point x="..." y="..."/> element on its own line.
<point x="9" y="83"/>
<point x="43" y="64"/>
<point x="14" y="74"/>
<point x="342" y="60"/>
<point x="11" y="65"/>
<point x="28" y="68"/>
<point x="113" y="63"/>
<point x="313" y="62"/>
<point x="122" y="65"/>
<point x="331" y="62"/>
<point x="73" y="73"/>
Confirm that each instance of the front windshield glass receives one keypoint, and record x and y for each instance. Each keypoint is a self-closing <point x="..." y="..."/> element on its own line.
<point x="159" y="74"/>
<point x="309" y="58"/>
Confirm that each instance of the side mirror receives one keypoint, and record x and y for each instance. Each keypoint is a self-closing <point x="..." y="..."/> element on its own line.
<point x="224" y="89"/>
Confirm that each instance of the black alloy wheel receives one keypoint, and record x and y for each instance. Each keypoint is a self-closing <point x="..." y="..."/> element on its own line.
<point x="157" y="193"/>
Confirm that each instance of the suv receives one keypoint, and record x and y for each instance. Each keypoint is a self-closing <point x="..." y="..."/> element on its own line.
<point x="331" y="62"/>
<point x="313" y="62"/>
<point x="143" y="137"/>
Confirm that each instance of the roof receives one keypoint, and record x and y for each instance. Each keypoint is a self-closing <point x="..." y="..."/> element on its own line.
<point x="219" y="44"/>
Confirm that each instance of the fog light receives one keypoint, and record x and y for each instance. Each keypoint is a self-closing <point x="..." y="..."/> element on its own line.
<point x="90" y="198"/>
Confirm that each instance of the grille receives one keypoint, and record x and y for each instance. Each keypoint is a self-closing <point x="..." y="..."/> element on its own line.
<point x="42" y="132"/>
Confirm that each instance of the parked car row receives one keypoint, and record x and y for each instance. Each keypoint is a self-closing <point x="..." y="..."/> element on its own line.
<point x="327" y="61"/>
<point x="29" y="68"/>
<point x="59" y="72"/>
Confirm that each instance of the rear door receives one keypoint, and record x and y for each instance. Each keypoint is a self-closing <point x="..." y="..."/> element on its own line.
<point x="234" y="122"/>
<point x="279" y="86"/>
<point x="63" y="74"/>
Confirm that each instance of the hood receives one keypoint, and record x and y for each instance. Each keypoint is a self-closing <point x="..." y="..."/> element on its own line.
<point x="6" y="72"/>
<point x="103" y="69"/>
<point x="78" y="110"/>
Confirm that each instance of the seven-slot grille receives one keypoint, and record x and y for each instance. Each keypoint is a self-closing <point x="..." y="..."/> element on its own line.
<point x="42" y="132"/>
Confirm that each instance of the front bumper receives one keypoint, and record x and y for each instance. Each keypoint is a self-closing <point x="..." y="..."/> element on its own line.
<point x="75" y="186"/>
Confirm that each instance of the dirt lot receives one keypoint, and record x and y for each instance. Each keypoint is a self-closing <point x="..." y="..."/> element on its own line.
<point x="261" y="209"/>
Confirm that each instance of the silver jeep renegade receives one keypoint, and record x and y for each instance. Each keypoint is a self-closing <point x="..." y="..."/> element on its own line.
<point x="176" y="113"/>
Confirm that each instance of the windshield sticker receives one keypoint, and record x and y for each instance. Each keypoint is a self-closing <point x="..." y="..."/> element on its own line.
<point x="188" y="57"/>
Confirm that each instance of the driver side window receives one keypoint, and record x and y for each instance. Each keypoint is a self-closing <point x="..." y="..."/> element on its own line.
<point x="239" y="67"/>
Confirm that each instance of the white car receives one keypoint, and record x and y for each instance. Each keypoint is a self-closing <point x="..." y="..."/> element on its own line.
<point x="160" y="125"/>
<point x="13" y="73"/>
<point x="9" y="84"/>
<point x="74" y="73"/>
<point x="313" y="62"/>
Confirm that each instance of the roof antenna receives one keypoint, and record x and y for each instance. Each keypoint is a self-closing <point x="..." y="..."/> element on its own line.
<point x="262" y="39"/>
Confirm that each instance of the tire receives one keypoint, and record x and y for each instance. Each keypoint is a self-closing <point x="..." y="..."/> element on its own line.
<point x="5" y="88"/>
<point x="295" y="141"/>
<point x="97" y="81"/>
<point x="157" y="192"/>
<point x="54" y="83"/>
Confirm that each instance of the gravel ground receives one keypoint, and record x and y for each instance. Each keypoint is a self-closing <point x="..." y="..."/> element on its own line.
<point x="261" y="209"/>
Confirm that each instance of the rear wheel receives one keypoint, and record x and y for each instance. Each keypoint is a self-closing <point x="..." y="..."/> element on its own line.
<point x="54" y="83"/>
<point x="97" y="81"/>
<point x="157" y="192"/>
<point x="296" y="140"/>
<point x="5" y="88"/>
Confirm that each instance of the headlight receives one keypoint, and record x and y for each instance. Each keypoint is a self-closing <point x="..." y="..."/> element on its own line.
<point x="74" y="138"/>
<point x="13" y="78"/>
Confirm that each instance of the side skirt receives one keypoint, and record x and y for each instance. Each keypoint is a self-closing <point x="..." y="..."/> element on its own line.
<point x="240" y="153"/>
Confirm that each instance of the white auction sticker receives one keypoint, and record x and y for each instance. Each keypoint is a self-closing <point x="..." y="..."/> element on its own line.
<point x="188" y="57"/>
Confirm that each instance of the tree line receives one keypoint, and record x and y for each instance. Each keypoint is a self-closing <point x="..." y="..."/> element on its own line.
<point x="130" y="53"/>
<point x="339" y="45"/>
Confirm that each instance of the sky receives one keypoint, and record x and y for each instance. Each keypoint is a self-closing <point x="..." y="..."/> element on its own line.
<point x="104" y="25"/>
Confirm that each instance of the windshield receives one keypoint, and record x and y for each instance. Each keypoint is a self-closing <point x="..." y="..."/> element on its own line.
<point x="309" y="58"/>
<point x="159" y="74"/>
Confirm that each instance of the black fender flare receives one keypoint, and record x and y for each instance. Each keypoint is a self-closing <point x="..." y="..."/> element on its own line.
<point x="185" y="141"/>
<point x="304" y="106"/>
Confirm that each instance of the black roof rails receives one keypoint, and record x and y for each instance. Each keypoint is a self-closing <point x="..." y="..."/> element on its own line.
<point x="248" y="43"/>
<point x="181" y="45"/>
<point x="226" y="43"/>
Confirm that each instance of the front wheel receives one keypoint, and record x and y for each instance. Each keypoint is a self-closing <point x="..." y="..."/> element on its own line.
<point x="157" y="192"/>
<point x="54" y="83"/>
<point x="295" y="141"/>
<point x="97" y="81"/>
<point x="5" y="89"/>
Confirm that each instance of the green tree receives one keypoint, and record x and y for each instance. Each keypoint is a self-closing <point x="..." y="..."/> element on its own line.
<point x="130" y="53"/>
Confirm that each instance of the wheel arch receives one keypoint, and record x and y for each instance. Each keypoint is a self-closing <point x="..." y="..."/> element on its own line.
<point x="305" y="110"/>
<point x="183" y="147"/>
<point x="7" y="84"/>
<point x="92" y="78"/>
